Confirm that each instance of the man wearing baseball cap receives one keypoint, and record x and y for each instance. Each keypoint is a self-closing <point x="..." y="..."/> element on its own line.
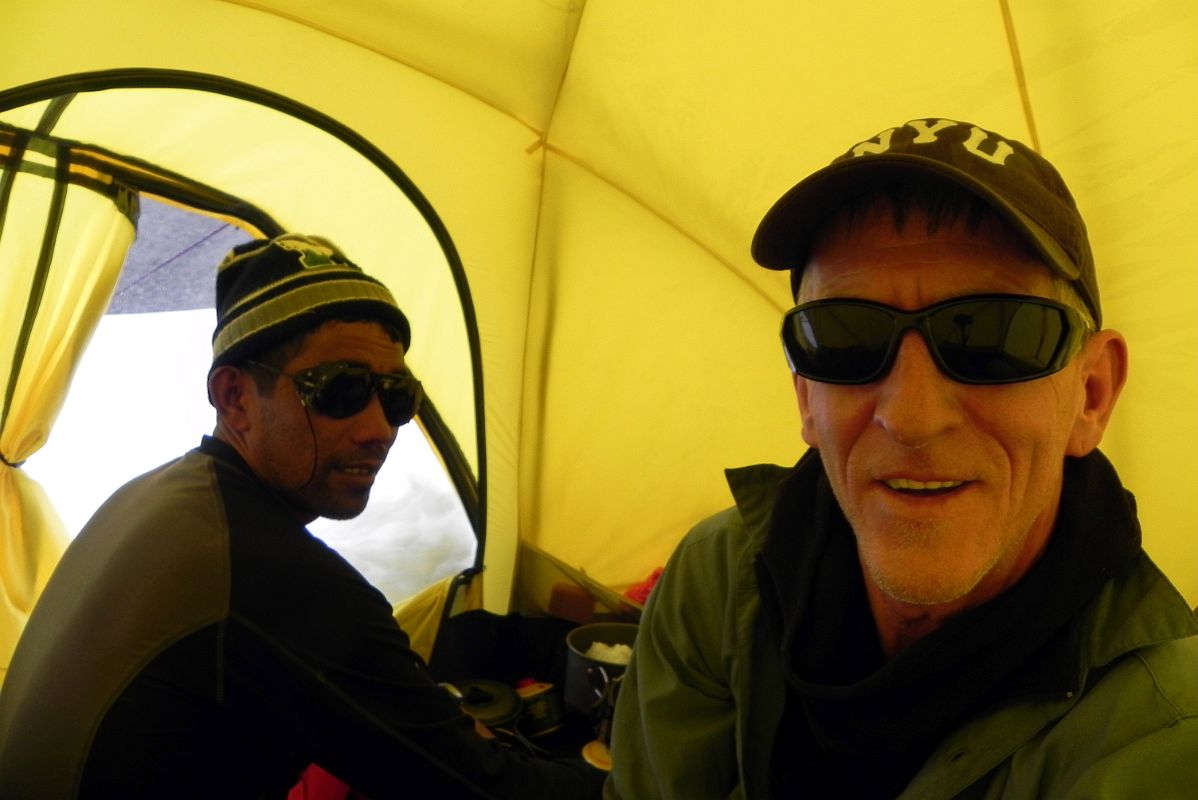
<point x="946" y="596"/>
<point x="197" y="641"/>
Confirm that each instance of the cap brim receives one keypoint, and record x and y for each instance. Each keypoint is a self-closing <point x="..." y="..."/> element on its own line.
<point x="783" y="239"/>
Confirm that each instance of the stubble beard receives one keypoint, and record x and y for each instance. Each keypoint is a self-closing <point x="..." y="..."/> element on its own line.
<point x="907" y="562"/>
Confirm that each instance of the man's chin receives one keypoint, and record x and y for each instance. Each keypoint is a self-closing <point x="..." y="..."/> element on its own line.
<point x="344" y="513"/>
<point x="935" y="583"/>
<point x="343" y="508"/>
<point x="922" y="594"/>
<point x="923" y="577"/>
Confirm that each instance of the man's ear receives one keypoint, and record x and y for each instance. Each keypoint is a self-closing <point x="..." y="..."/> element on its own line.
<point x="1103" y="363"/>
<point x="231" y="395"/>
<point x="803" y="394"/>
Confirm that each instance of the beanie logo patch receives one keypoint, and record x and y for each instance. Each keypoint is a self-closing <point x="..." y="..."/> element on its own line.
<point x="311" y="251"/>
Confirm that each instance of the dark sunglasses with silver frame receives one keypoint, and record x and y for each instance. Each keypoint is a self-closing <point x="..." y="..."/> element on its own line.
<point x="340" y="390"/>
<point x="982" y="339"/>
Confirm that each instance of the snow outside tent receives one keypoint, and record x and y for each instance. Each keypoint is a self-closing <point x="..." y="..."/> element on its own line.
<point x="562" y="195"/>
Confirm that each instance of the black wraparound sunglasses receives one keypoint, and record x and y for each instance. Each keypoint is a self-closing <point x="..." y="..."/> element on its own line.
<point x="976" y="339"/>
<point x="339" y="390"/>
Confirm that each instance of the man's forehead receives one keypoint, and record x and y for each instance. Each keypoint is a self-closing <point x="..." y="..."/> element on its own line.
<point x="958" y="258"/>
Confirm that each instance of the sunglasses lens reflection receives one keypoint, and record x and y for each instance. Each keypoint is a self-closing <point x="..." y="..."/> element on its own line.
<point x="840" y="343"/>
<point x="998" y="342"/>
<point x="343" y="394"/>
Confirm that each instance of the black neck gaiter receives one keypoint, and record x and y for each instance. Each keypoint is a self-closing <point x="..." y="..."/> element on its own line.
<point x="865" y="724"/>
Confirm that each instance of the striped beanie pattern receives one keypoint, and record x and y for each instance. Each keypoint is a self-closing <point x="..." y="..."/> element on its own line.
<point x="270" y="290"/>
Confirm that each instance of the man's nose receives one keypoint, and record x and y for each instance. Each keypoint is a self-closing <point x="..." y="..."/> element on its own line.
<point x="916" y="402"/>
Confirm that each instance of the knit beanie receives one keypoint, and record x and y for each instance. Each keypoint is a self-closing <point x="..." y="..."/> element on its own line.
<point x="269" y="290"/>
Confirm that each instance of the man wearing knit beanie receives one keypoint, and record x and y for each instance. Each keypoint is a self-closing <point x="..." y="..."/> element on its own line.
<point x="197" y="641"/>
<point x="272" y="297"/>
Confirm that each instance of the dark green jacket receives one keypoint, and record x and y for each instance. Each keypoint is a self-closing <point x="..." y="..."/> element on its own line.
<point x="704" y="693"/>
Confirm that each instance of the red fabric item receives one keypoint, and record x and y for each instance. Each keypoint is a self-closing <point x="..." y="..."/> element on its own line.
<point x="639" y="592"/>
<point x="316" y="784"/>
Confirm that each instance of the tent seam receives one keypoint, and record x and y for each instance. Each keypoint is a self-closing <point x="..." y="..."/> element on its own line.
<point x="542" y="140"/>
<point x="764" y="295"/>
<point x="543" y="145"/>
<point x="1020" y="77"/>
<point x="540" y="134"/>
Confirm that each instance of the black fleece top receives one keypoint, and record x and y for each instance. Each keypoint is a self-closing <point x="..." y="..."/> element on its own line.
<point x="197" y="641"/>
<point x="864" y="724"/>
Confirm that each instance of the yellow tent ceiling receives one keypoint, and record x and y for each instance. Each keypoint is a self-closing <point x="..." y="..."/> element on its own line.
<point x="599" y="169"/>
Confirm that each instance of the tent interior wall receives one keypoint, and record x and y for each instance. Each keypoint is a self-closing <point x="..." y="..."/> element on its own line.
<point x="593" y="174"/>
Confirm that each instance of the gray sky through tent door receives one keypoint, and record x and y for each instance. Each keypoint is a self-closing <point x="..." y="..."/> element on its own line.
<point x="172" y="263"/>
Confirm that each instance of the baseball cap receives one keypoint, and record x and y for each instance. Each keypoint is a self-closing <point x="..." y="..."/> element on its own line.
<point x="1020" y="184"/>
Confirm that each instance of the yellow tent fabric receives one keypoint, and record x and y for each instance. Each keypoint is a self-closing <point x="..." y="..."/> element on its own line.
<point x="599" y="169"/>
<point x="52" y="293"/>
